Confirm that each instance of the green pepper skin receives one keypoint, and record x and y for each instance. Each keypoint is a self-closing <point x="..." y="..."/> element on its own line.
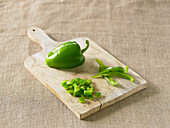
<point x="119" y="74"/>
<point x="109" y="69"/>
<point x="66" y="56"/>
<point x="102" y="66"/>
<point x="109" y="79"/>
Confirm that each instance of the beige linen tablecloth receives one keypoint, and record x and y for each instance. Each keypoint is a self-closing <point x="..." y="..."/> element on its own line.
<point x="137" y="32"/>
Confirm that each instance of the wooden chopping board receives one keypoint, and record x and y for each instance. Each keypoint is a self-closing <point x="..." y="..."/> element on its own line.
<point x="52" y="78"/>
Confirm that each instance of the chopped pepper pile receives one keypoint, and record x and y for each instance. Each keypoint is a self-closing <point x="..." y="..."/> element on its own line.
<point x="108" y="72"/>
<point x="81" y="88"/>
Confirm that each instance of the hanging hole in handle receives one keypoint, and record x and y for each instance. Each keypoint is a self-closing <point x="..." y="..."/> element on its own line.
<point x="33" y="29"/>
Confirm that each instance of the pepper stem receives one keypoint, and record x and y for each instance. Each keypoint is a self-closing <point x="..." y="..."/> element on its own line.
<point x="87" y="46"/>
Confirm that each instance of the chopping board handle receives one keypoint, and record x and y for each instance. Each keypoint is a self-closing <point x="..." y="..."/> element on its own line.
<point x="40" y="37"/>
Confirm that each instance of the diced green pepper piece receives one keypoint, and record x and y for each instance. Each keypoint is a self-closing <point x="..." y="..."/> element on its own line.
<point x="74" y="81"/>
<point x="71" y="87"/>
<point x="82" y="81"/>
<point x="78" y="79"/>
<point x="66" y="86"/>
<point x="74" y="84"/>
<point x="70" y="91"/>
<point x="98" y="94"/>
<point x="82" y="88"/>
<point x="88" y="92"/>
<point x="82" y="100"/>
<point x="76" y="89"/>
<point x="89" y="88"/>
<point x="63" y="82"/>
<point x="91" y="97"/>
<point x="69" y="83"/>
<point x="76" y="94"/>
<point x="89" y="81"/>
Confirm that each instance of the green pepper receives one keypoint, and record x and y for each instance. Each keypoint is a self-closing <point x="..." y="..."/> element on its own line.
<point x="88" y="92"/>
<point x="89" y="81"/>
<point x="82" y="100"/>
<point x="98" y="94"/>
<point x="119" y="74"/>
<point x="67" y="55"/>
<point x="126" y="69"/>
<point x="64" y="82"/>
<point x="109" y="69"/>
<point x="70" y="91"/>
<point x="109" y="79"/>
<point x="66" y="86"/>
<point x="76" y="88"/>
<point x="102" y="66"/>
<point x="91" y="97"/>
<point x="76" y="94"/>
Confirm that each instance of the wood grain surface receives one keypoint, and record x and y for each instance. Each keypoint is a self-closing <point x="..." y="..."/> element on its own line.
<point x="52" y="78"/>
<point x="134" y="31"/>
